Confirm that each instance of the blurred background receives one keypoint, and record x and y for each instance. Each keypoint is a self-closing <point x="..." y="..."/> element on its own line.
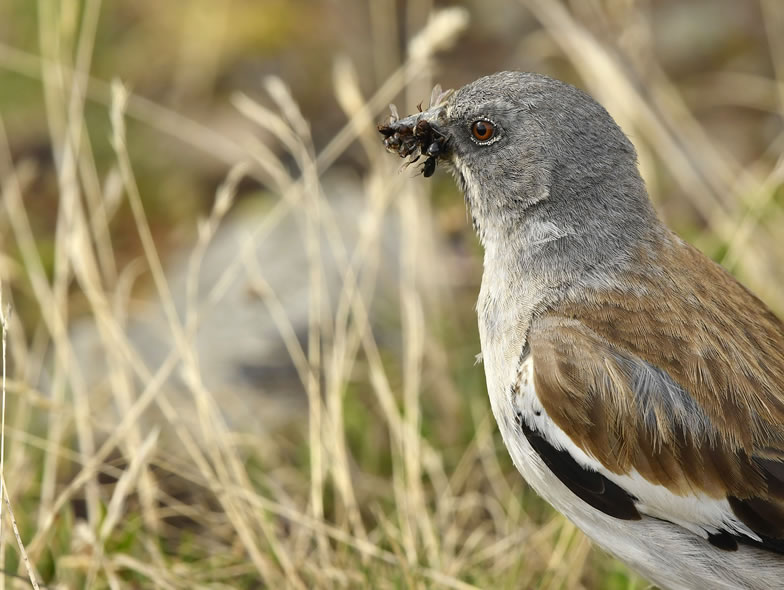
<point x="240" y="339"/>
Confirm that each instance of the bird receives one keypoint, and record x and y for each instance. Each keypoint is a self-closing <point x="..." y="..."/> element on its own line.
<point x="638" y="386"/>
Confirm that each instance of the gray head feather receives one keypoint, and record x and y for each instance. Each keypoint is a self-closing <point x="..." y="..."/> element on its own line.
<point x="554" y="193"/>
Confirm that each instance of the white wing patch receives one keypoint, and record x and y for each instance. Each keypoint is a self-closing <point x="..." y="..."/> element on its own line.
<point x="697" y="512"/>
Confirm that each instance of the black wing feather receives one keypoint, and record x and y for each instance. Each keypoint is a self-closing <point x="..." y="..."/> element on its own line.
<point x="591" y="486"/>
<point x="598" y="491"/>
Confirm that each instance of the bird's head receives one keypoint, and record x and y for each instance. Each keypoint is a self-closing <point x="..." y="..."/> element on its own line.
<point x="520" y="143"/>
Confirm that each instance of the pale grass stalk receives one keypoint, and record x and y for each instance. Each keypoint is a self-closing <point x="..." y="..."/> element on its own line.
<point x="209" y="141"/>
<point x="517" y="542"/>
<point x="442" y="29"/>
<point x="332" y="576"/>
<point x="338" y="373"/>
<point x="421" y="49"/>
<point x="321" y="526"/>
<point x="558" y="557"/>
<point x="87" y="269"/>
<point x="52" y="38"/>
<point x="55" y="433"/>
<point x="395" y="536"/>
<point x="125" y="485"/>
<point x="413" y="346"/>
<point x="111" y="577"/>
<point x="440" y="33"/>
<point x="365" y="257"/>
<point x="5" y="313"/>
<point x="286" y="330"/>
<point x="469" y="545"/>
<point x="153" y="384"/>
<point x="29" y="356"/>
<point x="238" y="520"/>
<point x="165" y="120"/>
<point x="345" y="82"/>
<point x="190" y="445"/>
<point x="377" y="372"/>
<point x="140" y="219"/>
<point x="721" y="89"/>
<point x="224" y="199"/>
<point x="336" y="411"/>
<point x="335" y="368"/>
<point x="107" y="319"/>
<point x="226" y="149"/>
<point x="738" y="184"/>
<point x="263" y="290"/>
<point x="773" y="20"/>
<point x="27" y="361"/>
<point x="485" y="422"/>
<point x="294" y="132"/>
<point x="182" y="343"/>
<point x="101" y="203"/>
<point x="363" y="546"/>
<point x="94" y="561"/>
<point x="51" y="313"/>
<point x="73" y="145"/>
<point x="212" y="423"/>
<point x="579" y="560"/>
<point x="111" y="193"/>
<point x="31" y="572"/>
<point x="32" y="396"/>
<point x="225" y="490"/>
<point x="49" y="45"/>
<point x="386" y="399"/>
<point x="405" y="531"/>
<point x="246" y="248"/>
<point x="265" y="118"/>
<point x="385" y="30"/>
<point x="449" y="526"/>
<point x="109" y="329"/>
<point x="316" y="302"/>
<point x="763" y="191"/>
<point x="160" y="577"/>
<point x="37" y="442"/>
<point x="758" y="200"/>
<point x="275" y="174"/>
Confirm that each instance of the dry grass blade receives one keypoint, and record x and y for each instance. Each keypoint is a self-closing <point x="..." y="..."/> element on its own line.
<point x="5" y="316"/>
<point x="5" y="313"/>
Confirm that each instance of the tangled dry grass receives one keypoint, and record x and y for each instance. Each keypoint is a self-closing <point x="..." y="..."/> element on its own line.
<point x="392" y="474"/>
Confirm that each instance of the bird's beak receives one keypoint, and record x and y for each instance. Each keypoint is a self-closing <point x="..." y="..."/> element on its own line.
<point x="417" y="135"/>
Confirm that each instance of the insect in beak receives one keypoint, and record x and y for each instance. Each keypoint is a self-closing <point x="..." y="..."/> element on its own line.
<point x="418" y="134"/>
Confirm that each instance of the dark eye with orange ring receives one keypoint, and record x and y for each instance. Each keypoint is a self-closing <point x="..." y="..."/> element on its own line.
<point x="483" y="130"/>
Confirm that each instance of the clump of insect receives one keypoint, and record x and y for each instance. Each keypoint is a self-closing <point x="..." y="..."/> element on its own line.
<point x="414" y="136"/>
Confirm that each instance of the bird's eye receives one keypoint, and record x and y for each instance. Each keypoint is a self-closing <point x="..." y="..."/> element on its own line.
<point x="483" y="130"/>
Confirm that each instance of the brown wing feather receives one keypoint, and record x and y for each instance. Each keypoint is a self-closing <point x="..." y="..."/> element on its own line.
<point x="687" y="388"/>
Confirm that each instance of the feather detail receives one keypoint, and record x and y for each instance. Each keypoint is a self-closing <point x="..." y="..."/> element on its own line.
<point x="685" y="391"/>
